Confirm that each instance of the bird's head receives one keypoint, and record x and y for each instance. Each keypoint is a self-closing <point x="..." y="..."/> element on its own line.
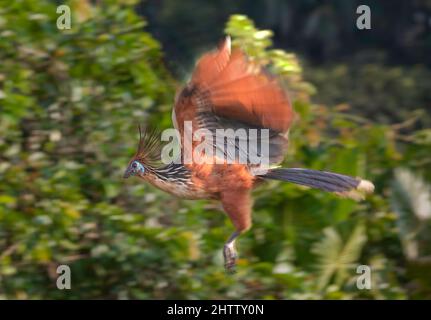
<point x="135" y="168"/>
<point x="147" y="155"/>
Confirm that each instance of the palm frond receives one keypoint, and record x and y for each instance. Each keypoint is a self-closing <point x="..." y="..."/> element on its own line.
<point x="411" y="201"/>
<point x="414" y="192"/>
<point x="336" y="259"/>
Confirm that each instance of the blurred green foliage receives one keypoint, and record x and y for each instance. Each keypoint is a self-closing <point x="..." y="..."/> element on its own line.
<point x="409" y="90"/>
<point x="70" y="103"/>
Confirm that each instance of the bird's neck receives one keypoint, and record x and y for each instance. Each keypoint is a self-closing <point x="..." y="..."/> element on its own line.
<point x="172" y="178"/>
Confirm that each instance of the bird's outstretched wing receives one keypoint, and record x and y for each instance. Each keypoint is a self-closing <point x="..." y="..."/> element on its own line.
<point x="227" y="90"/>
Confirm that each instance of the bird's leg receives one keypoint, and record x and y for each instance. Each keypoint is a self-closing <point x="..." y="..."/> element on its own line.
<point x="237" y="204"/>
<point x="229" y="253"/>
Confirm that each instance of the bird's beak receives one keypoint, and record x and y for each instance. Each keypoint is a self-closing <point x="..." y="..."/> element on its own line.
<point x="126" y="174"/>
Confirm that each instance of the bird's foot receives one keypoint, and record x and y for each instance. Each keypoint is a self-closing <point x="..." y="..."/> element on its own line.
<point x="230" y="257"/>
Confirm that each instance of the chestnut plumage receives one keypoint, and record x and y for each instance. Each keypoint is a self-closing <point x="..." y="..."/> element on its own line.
<point x="227" y="90"/>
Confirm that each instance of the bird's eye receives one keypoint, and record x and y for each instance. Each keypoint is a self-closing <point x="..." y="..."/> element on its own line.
<point x="134" y="165"/>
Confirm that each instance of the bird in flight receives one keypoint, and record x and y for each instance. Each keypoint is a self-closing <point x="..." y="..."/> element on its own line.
<point x="230" y="96"/>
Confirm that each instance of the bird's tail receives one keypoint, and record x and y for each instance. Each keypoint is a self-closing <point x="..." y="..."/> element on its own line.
<point x="340" y="184"/>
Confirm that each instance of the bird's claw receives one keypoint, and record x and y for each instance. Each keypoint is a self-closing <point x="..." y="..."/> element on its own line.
<point x="230" y="258"/>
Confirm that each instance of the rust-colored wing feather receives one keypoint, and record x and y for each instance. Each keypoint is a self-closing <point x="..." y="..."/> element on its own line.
<point x="228" y="85"/>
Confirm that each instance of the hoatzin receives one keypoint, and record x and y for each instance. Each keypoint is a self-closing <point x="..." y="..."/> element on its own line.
<point x="228" y="91"/>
